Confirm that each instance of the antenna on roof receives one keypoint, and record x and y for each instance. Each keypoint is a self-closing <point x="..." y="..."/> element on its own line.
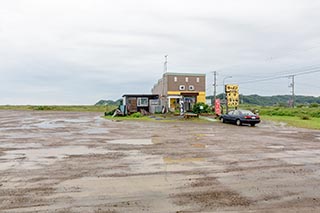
<point x="165" y="64"/>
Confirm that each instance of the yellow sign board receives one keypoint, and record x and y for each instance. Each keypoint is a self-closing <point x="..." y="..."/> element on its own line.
<point x="232" y="95"/>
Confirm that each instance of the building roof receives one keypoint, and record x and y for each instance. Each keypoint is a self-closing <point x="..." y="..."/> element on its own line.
<point x="141" y="95"/>
<point x="184" y="74"/>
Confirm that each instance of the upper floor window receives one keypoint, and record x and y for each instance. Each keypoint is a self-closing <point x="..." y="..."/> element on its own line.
<point x="182" y="87"/>
<point x="198" y="79"/>
<point x="191" y="87"/>
<point x="187" y="79"/>
<point x="175" y="79"/>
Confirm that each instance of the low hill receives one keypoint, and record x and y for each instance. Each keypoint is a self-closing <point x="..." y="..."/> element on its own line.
<point x="108" y="102"/>
<point x="275" y="100"/>
<point x="278" y="100"/>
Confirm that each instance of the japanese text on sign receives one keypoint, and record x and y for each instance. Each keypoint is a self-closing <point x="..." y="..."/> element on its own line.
<point x="232" y="95"/>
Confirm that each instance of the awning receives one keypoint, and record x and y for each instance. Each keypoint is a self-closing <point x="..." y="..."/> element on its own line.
<point x="190" y="93"/>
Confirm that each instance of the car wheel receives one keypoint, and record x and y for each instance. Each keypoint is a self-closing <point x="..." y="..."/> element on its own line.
<point x="222" y="120"/>
<point x="238" y="122"/>
<point x="252" y="125"/>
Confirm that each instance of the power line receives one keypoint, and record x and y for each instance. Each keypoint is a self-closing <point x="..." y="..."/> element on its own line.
<point x="292" y="84"/>
<point x="278" y="77"/>
<point x="285" y="73"/>
<point x="262" y="79"/>
<point x="308" y="72"/>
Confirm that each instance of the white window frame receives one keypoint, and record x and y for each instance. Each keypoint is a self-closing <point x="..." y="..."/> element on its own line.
<point x="198" y="80"/>
<point x="191" y="87"/>
<point x="140" y="104"/>
<point x="182" y="87"/>
<point x="175" y="79"/>
<point x="187" y="79"/>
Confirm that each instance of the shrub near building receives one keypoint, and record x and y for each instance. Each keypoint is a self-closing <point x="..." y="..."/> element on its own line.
<point x="200" y="108"/>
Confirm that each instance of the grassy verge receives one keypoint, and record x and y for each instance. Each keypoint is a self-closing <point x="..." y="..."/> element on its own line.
<point x="80" y="108"/>
<point x="157" y="118"/>
<point x="312" y="123"/>
<point x="285" y="111"/>
<point x="129" y="118"/>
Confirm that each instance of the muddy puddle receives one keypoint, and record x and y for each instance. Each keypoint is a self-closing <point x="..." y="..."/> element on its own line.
<point x="139" y="162"/>
<point x="74" y="120"/>
<point x="5" y="145"/>
<point x="31" y="135"/>
<point x="288" y="132"/>
<point x="297" y="157"/>
<point x="199" y="145"/>
<point x="48" y="125"/>
<point x="21" y="135"/>
<point x="94" y="131"/>
<point x="132" y="186"/>
<point x="275" y="147"/>
<point x="182" y="160"/>
<point x="37" y="158"/>
<point x="142" y="141"/>
<point x="150" y="192"/>
<point x="22" y="127"/>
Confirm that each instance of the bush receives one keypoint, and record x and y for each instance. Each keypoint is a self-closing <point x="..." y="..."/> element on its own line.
<point x="285" y="111"/>
<point x="304" y="117"/>
<point x="42" y="108"/>
<point x="315" y="114"/>
<point x="314" y="105"/>
<point x="199" y="108"/>
<point x="136" y="115"/>
<point x="110" y="113"/>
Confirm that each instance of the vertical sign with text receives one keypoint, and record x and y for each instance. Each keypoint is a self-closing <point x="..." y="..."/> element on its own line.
<point x="232" y="94"/>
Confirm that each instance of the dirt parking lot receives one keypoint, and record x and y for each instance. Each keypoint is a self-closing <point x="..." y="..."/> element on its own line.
<point x="79" y="162"/>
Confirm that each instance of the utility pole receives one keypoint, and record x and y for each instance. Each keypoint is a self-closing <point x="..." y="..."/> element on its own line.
<point x="165" y="64"/>
<point x="214" y="88"/>
<point x="164" y="96"/>
<point x="292" y="90"/>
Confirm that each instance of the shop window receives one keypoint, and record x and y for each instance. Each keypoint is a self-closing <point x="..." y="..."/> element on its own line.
<point x="142" y="102"/>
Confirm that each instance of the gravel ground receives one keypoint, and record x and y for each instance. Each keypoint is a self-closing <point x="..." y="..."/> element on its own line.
<point x="79" y="162"/>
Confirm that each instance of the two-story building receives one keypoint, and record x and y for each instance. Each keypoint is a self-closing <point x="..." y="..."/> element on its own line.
<point x="174" y="88"/>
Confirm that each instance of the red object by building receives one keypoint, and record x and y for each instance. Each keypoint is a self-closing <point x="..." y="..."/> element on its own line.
<point x="217" y="107"/>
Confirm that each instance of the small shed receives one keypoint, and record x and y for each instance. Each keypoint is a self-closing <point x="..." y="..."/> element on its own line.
<point x="137" y="102"/>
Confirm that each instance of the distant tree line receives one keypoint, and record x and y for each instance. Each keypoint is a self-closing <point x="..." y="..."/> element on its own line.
<point x="108" y="103"/>
<point x="276" y="100"/>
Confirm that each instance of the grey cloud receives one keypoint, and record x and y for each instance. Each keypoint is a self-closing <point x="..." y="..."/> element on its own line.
<point x="81" y="52"/>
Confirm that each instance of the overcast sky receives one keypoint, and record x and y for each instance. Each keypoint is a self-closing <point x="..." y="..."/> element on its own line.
<point x="81" y="51"/>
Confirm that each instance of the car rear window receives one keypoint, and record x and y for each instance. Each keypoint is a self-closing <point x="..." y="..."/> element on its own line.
<point x="247" y="112"/>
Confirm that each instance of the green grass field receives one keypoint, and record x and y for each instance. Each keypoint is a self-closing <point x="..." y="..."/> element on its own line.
<point x="80" y="108"/>
<point x="303" y="117"/>
<point x="285" y="111"/>
<point x="312" y="123"/>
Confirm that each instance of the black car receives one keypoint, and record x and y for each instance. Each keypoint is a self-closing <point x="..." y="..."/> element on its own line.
<point x="240" y="117"/>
